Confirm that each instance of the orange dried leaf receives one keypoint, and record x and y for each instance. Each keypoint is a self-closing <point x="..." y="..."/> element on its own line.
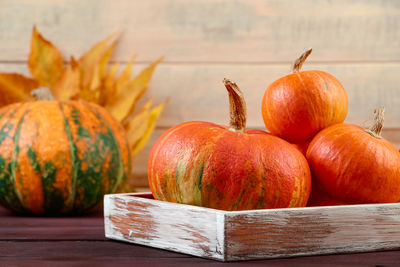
<point x="129" y="94"/>
<point x="153" y="116"/>
<point x="15" y="88"/>
<point x="108" y="87"/>
<point x="45" y="60"/>
<point x="69" y="83"/>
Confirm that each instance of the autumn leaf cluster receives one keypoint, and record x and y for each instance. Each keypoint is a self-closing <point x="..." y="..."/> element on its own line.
<point x="91" y="79"/>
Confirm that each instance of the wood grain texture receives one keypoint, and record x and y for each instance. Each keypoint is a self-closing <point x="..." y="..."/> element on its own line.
<point x="210" y="31"/>
<point x="20" y="228"/>
<point x="254" y="234"/>
<point x="25" y="228"/>
<point x="149" y="222"/>
<point x="110" y="253"/>
<point x="310" y="231"/>
<point x="78" y="249"/>
<point x="196" y="91"/>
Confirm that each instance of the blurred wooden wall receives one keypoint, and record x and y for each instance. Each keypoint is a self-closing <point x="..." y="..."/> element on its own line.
<point x="203" y="41"/>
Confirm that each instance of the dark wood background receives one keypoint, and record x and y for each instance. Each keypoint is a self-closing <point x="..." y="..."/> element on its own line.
<point x="80" y="241"/>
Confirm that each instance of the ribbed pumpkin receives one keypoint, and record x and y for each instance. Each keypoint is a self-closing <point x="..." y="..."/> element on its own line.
<point x="228" y="168"/>
<point x="59" y="157"/>
<point x="354" y="165"/>
<point x="297" y="106"/>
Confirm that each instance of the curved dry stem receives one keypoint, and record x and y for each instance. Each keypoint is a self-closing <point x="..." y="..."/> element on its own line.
<point x="42" y="94"/>
<point x="299" y="62"/>
<point x="237" y="107"/>
<point x="376" y="129"/>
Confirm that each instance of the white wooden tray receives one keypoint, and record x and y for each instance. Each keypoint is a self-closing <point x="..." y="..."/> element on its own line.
<point x="254" y="234"/>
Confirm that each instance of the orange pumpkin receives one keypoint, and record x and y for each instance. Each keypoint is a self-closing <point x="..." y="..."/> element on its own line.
<point x="297" y="106"/>
<point x="229" y="168"/>
<point x="355" y="165"/>
<point x="319" y="197"/>
<point x="59" y="157"/>
<point x="302" y="147"/>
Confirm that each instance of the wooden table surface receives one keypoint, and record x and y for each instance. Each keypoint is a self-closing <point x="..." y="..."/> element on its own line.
<point x="80" y="241"/>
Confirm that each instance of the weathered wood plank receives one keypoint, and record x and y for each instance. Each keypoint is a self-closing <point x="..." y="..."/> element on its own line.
<point x="149" y="222"/>
<point x="85" y="253"/>
<point x="13" y="227"/>
<point x="82" y="250"/>
<point x="309" y="231"/>
<point x="196" y="91"/>
<point x="253" y="234"/>
<point x="209" y="31"/>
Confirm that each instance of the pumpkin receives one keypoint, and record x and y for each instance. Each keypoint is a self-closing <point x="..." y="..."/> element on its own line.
<point x="229" y="168"/>
<point x="356" y="165"/>
<point x="59" y="157"/>
<point x="302" y="147"/>
<point x="297" y="106"/>
<point x="319" y="197"/>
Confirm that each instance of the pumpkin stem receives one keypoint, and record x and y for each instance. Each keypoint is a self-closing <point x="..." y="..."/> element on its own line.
<point x="237" y="107"/>
<point x="376" y="129"/>
<point x="42" y="94"/>
<point x="299" y="62"/>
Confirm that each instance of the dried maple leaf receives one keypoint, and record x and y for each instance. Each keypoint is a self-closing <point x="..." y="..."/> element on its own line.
<point x="153" y="116"/>
<point x="93" y="64"/>
<point x="91" y="60"/>
<point x="69" y="83"/>
<point x="130" y="92"/>
<point x="88" y="79"/>
<point x="108" y="86"/>
<point x="45" y="60"/>
<point x="137" y="127"/>
<point x="119" y="84"/>
<point x="15" y="87"/>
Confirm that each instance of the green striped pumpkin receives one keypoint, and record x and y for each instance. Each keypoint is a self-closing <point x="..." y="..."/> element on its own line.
<point x="60" y="157"/>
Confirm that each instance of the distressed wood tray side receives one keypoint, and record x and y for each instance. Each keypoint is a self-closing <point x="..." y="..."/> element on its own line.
<point x="139" y="219"/>
<point x="255" y="234"/>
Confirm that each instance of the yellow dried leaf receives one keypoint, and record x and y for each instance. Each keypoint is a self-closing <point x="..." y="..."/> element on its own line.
<point x="91" y="60"/>
<point x="105" y="58"/>
<point x="108" y="88"/>
<point x="130" y="93"/>
<point x="69" y="83"/>
<point x="137" y="127"/>
<point x="153" y="116"/>
<point x="45" y="60"/>
<point x="88" y="96"/>
<point x="15" y="88"/>
<point x="125" y="76"/>
<point x="119" y="85"/>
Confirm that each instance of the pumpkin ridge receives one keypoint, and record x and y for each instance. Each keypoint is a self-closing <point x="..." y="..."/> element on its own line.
<point x="14" y="163"/>
<point x="127" y="145"/>
<point x="305" y="89"/>
<point x="155" y="151"/>
<point x="327" y="89"/>
<point x="4" y="113"/>
<point x="121" y="169"/>
<point x="73" y="158"/>
<point x="5" y="168"/>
